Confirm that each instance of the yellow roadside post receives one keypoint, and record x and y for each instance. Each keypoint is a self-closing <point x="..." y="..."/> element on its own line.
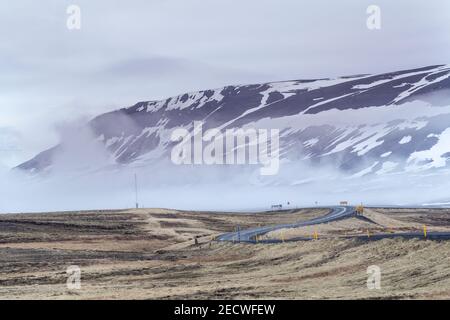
<point x="360" y="210"/>
<point x="316" y="235"/>
<point x="425" y="231"/>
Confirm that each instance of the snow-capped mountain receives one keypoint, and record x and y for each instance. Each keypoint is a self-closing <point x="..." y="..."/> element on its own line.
<point x="362" y="124"/>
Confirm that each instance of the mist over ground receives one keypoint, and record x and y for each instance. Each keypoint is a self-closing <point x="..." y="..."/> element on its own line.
<point x="214" y="188"/>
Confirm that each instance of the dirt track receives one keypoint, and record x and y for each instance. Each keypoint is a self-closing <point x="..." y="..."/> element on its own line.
<point x="146" y="254"/>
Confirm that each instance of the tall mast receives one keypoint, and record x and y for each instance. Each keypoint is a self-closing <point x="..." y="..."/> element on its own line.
<point x="136" y="190"/>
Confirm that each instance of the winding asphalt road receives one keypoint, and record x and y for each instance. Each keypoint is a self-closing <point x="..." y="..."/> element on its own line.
<point x="249" y="235"/>
<point x="337" y="213"/>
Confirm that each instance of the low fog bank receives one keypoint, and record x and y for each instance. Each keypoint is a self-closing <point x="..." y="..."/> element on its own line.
<point x="106" y="185"/>
<point x="213" y="188"/>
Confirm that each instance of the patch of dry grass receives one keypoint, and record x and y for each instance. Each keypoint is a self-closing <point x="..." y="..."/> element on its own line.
<point x="142" y="254"/>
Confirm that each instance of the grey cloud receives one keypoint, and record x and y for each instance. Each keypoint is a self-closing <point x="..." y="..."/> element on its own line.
<point x="147" y="67"/>
<point x="9" y="149"/>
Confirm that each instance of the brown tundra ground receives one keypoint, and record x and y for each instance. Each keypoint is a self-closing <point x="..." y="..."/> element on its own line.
<point x="150" y="254"/>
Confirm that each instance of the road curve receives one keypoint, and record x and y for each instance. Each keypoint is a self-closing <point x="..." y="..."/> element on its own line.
<point x="249" y="235"/>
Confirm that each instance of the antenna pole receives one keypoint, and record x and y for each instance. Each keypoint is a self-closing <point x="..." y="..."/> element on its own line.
<point x="136" y="190"/>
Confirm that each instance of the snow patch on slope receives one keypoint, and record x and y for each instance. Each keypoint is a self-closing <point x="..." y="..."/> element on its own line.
<point x="432" y="158"/>
<point x="405" y="140"/>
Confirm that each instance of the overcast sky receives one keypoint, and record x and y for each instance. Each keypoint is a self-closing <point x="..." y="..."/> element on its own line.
<point x="129" y="51"/>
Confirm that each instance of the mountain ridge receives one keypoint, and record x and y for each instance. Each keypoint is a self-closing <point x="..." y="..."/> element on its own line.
<point x="320" y="120"/>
